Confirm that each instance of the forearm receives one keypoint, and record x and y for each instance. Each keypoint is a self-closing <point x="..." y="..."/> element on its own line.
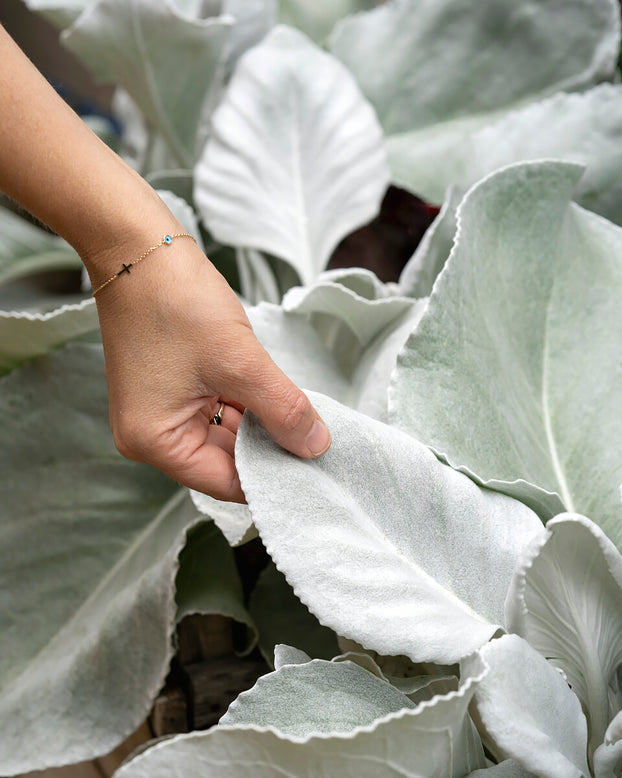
<point x="55" y="167"/>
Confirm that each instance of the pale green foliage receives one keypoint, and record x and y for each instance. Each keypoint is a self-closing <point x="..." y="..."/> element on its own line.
<point x="533" y="359"/>
<point x="421" y="546"/>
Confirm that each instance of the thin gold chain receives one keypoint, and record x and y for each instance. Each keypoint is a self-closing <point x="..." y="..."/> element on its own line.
<point x="166" y="241"/>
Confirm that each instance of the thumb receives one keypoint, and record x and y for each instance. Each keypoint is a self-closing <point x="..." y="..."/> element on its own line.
<point x="283" y="409"/>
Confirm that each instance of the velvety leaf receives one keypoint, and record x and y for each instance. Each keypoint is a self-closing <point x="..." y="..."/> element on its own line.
<point x="566" y="601"/>
<point x="426" y="263"/>
<point x="363" y="326"/>
<point x="317" y="19"/>
<point x="88" y="554"/>
<point x="372" y="376"/>
<point x="317" y="697"/>
<point x="432" y="740"/>
<point x="366" y="318"/>
<point x="512" y="373"/>
<point x="208" y="581"/>
<point x="26" y="249"/>
<point x="450" y="68"/>
<point x="281" y="618"/>
<point x="295" y="160"/>
<point x="24" y="334"/>
<point x="168" y="62"/>
<point x="389" y="547"/>
<point x="232" y="519"/>
<point x="528" y="711"/>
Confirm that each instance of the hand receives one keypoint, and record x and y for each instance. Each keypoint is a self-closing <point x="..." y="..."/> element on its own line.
<point x="177" y="343"/>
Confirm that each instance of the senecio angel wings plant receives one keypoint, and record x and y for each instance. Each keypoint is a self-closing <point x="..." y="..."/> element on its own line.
<point x="462" y="536"/>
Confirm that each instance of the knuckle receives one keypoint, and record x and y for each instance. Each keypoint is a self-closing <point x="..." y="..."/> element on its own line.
<point x="296" y="407"/>
<point x="128" y="440"/>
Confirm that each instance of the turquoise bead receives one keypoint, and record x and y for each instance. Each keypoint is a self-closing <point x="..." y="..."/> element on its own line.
<point x="168" y="239"/>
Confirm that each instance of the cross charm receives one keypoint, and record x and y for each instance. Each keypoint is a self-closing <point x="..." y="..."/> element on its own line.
<point x="126" y="269"/>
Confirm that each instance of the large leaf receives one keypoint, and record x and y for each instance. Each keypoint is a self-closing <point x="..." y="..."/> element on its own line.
<point x="528" y="711"/>
<point x="295" y="160"/>
<point x="432" y="740"/>
<point x="566" y="601"/>
<point x="88" y="555"/>
<point x="168" y="62"/>
<point x="496" y="55"/>
<point x="317" y="697"/>
<point x="513" y="372"/>
<point x="389" y="547"/>
<point x="24" y="334"/>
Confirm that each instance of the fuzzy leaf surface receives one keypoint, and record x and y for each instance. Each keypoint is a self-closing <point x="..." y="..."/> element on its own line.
<point x="515" y="701"/>
<point x="513" y="372"/>
<point x="566" y="601"/>
<point x="496" y="55"/>
<point x="296" y="160"/>
<point x="88" y="555"/>
<point x="167" y="61"/>
<point x="433" y="740"/>
<point x="391" y="548"/>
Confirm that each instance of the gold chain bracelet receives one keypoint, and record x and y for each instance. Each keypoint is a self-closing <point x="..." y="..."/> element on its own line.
<point x="166" y="241"/>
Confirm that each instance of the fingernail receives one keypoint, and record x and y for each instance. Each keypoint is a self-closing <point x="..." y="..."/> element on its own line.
<point x="318" y="440"/>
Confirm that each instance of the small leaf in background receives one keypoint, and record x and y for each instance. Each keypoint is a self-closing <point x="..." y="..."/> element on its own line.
<point x="432" y="739"/>
<point x="389" y="547"/>
<point x="566" y="601"/>
<point x="88" y="553"/>
<point x="170" y="64"/>
<point x="316" y="697"/>
<point x="513" y="371"/>
<point x="281" y="618"/>
<point x="436" y="71"/>
<point x="295" y="160"/>
<point x="528" y="712"/>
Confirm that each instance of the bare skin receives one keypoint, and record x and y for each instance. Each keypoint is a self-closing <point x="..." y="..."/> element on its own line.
<point x="176" y="339"/>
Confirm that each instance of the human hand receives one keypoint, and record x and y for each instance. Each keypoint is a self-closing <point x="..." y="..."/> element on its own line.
<point x="177" y="343"/>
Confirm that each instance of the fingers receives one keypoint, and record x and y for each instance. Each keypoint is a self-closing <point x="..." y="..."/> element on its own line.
<point x="230" y="417"/>
<point x="198" y="454"/>
<point x="283" y="409"/>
